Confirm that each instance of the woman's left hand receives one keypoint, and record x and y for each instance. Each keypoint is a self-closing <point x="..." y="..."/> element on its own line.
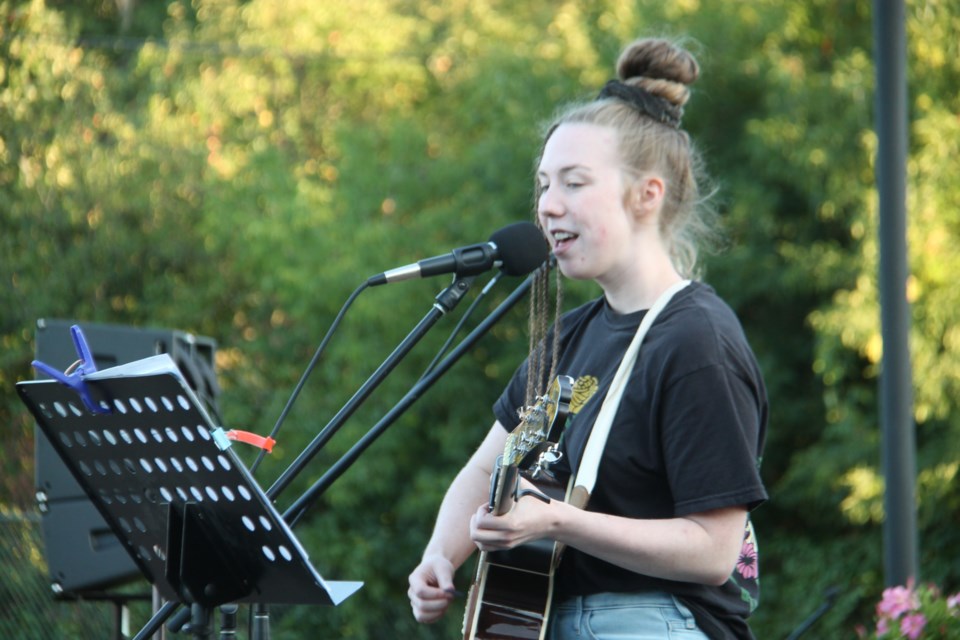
<point x="530" y="519"/>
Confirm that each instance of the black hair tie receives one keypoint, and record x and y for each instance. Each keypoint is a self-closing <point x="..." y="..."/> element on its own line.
<point x="648" y="104"/>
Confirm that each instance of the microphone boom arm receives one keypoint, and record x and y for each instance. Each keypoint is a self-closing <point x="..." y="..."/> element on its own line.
<point x="309" y="497"/>
<point x="446" y="300"/>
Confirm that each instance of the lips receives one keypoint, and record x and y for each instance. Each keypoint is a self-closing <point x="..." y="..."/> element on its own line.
<point x="562" y="240"/>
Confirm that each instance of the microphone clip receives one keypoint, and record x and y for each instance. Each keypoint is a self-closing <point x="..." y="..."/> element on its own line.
<point x="450" y="297"/>
<point x="471" y="260"/>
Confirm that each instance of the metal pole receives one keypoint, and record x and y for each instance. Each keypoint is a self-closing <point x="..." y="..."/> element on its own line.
<point x="896" y="389"/>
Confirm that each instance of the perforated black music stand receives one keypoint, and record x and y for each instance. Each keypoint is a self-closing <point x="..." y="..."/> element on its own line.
<point x="169" y="485"/>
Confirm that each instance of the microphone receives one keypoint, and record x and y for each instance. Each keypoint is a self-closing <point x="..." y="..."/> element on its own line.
<point x="517" y="249"/>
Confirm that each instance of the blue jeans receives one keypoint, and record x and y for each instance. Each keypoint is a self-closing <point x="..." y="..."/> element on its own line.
<point x="623" y="616"/>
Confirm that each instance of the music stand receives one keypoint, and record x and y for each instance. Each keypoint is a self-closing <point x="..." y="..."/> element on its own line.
<point x="170" y="487"/>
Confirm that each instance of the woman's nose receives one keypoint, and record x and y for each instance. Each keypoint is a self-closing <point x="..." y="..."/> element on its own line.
<point x="549" y="203"/>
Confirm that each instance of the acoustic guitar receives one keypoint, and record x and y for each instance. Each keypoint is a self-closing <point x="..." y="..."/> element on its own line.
<point x="511" y="593"/>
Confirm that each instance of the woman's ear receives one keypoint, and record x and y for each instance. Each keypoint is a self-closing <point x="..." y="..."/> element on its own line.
<point x="646" y="195"/>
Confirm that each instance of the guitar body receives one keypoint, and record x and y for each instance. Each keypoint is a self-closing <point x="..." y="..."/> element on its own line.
<point x="515" y="604"/>
<point x="511" y="593"/>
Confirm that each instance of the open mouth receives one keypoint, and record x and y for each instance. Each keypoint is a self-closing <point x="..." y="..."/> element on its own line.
<point x="562" y="240"/>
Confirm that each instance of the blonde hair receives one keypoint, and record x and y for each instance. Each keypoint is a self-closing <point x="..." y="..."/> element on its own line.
<point x="655" y="142"/>
<point x="644" y="105"/>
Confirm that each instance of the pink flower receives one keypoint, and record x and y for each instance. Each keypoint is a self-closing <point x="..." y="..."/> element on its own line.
<point x="915" y="612"/>
<point x="896" y="602"/>
<point x="747" y="564"/>
<point x="912" y="626"/>
<point x="883" y="626"/>
<point x="953" y="601"/>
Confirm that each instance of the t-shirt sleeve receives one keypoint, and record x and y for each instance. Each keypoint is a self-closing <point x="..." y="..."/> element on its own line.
<point x="711" y="440"/>
<point x="507" y="407"/>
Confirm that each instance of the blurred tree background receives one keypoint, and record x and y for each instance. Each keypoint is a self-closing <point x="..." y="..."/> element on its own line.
<point x="236" y="168"/>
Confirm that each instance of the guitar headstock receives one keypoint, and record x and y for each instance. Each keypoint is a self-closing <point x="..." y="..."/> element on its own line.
<point x="535" y="425"/>
<point x="537" y="421"/>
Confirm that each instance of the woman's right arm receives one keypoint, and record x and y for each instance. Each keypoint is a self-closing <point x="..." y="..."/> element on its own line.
<point x="431" y="583"/>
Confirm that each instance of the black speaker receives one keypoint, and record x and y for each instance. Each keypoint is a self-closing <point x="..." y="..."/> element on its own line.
<point x="82" y="552"/>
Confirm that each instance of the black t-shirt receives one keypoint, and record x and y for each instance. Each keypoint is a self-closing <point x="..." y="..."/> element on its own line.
<point x="686" y="438"/>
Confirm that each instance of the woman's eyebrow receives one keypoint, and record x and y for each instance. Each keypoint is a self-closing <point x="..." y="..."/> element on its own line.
<point x="564" y="170"/>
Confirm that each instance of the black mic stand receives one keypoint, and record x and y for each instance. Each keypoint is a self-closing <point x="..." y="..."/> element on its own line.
<point x="298" y="508"/>
<point x="829" y="599"/>
<point x="446" y="300"/>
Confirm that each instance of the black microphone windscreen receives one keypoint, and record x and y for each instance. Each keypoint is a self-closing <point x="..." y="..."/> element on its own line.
<point x="521" y="248"/>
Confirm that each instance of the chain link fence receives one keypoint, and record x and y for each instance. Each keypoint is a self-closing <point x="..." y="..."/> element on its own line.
<point x="28" y="609"/>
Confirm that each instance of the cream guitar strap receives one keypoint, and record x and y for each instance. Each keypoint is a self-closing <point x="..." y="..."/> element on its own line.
<point x="587" y="472"/>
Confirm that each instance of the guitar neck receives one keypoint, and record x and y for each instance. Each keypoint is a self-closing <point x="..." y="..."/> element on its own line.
<point x="503" y="493"/>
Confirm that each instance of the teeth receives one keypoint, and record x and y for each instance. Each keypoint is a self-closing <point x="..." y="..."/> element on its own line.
<point x="563" y="235"/>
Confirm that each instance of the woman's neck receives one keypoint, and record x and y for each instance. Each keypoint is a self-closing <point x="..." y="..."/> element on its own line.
<point x="640" y="286"/>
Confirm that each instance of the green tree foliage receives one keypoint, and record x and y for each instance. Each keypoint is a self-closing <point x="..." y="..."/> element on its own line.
<point x="237" y="169"/>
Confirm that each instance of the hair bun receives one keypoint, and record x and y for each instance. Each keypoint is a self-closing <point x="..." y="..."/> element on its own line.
<point x="659" y="66"/>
